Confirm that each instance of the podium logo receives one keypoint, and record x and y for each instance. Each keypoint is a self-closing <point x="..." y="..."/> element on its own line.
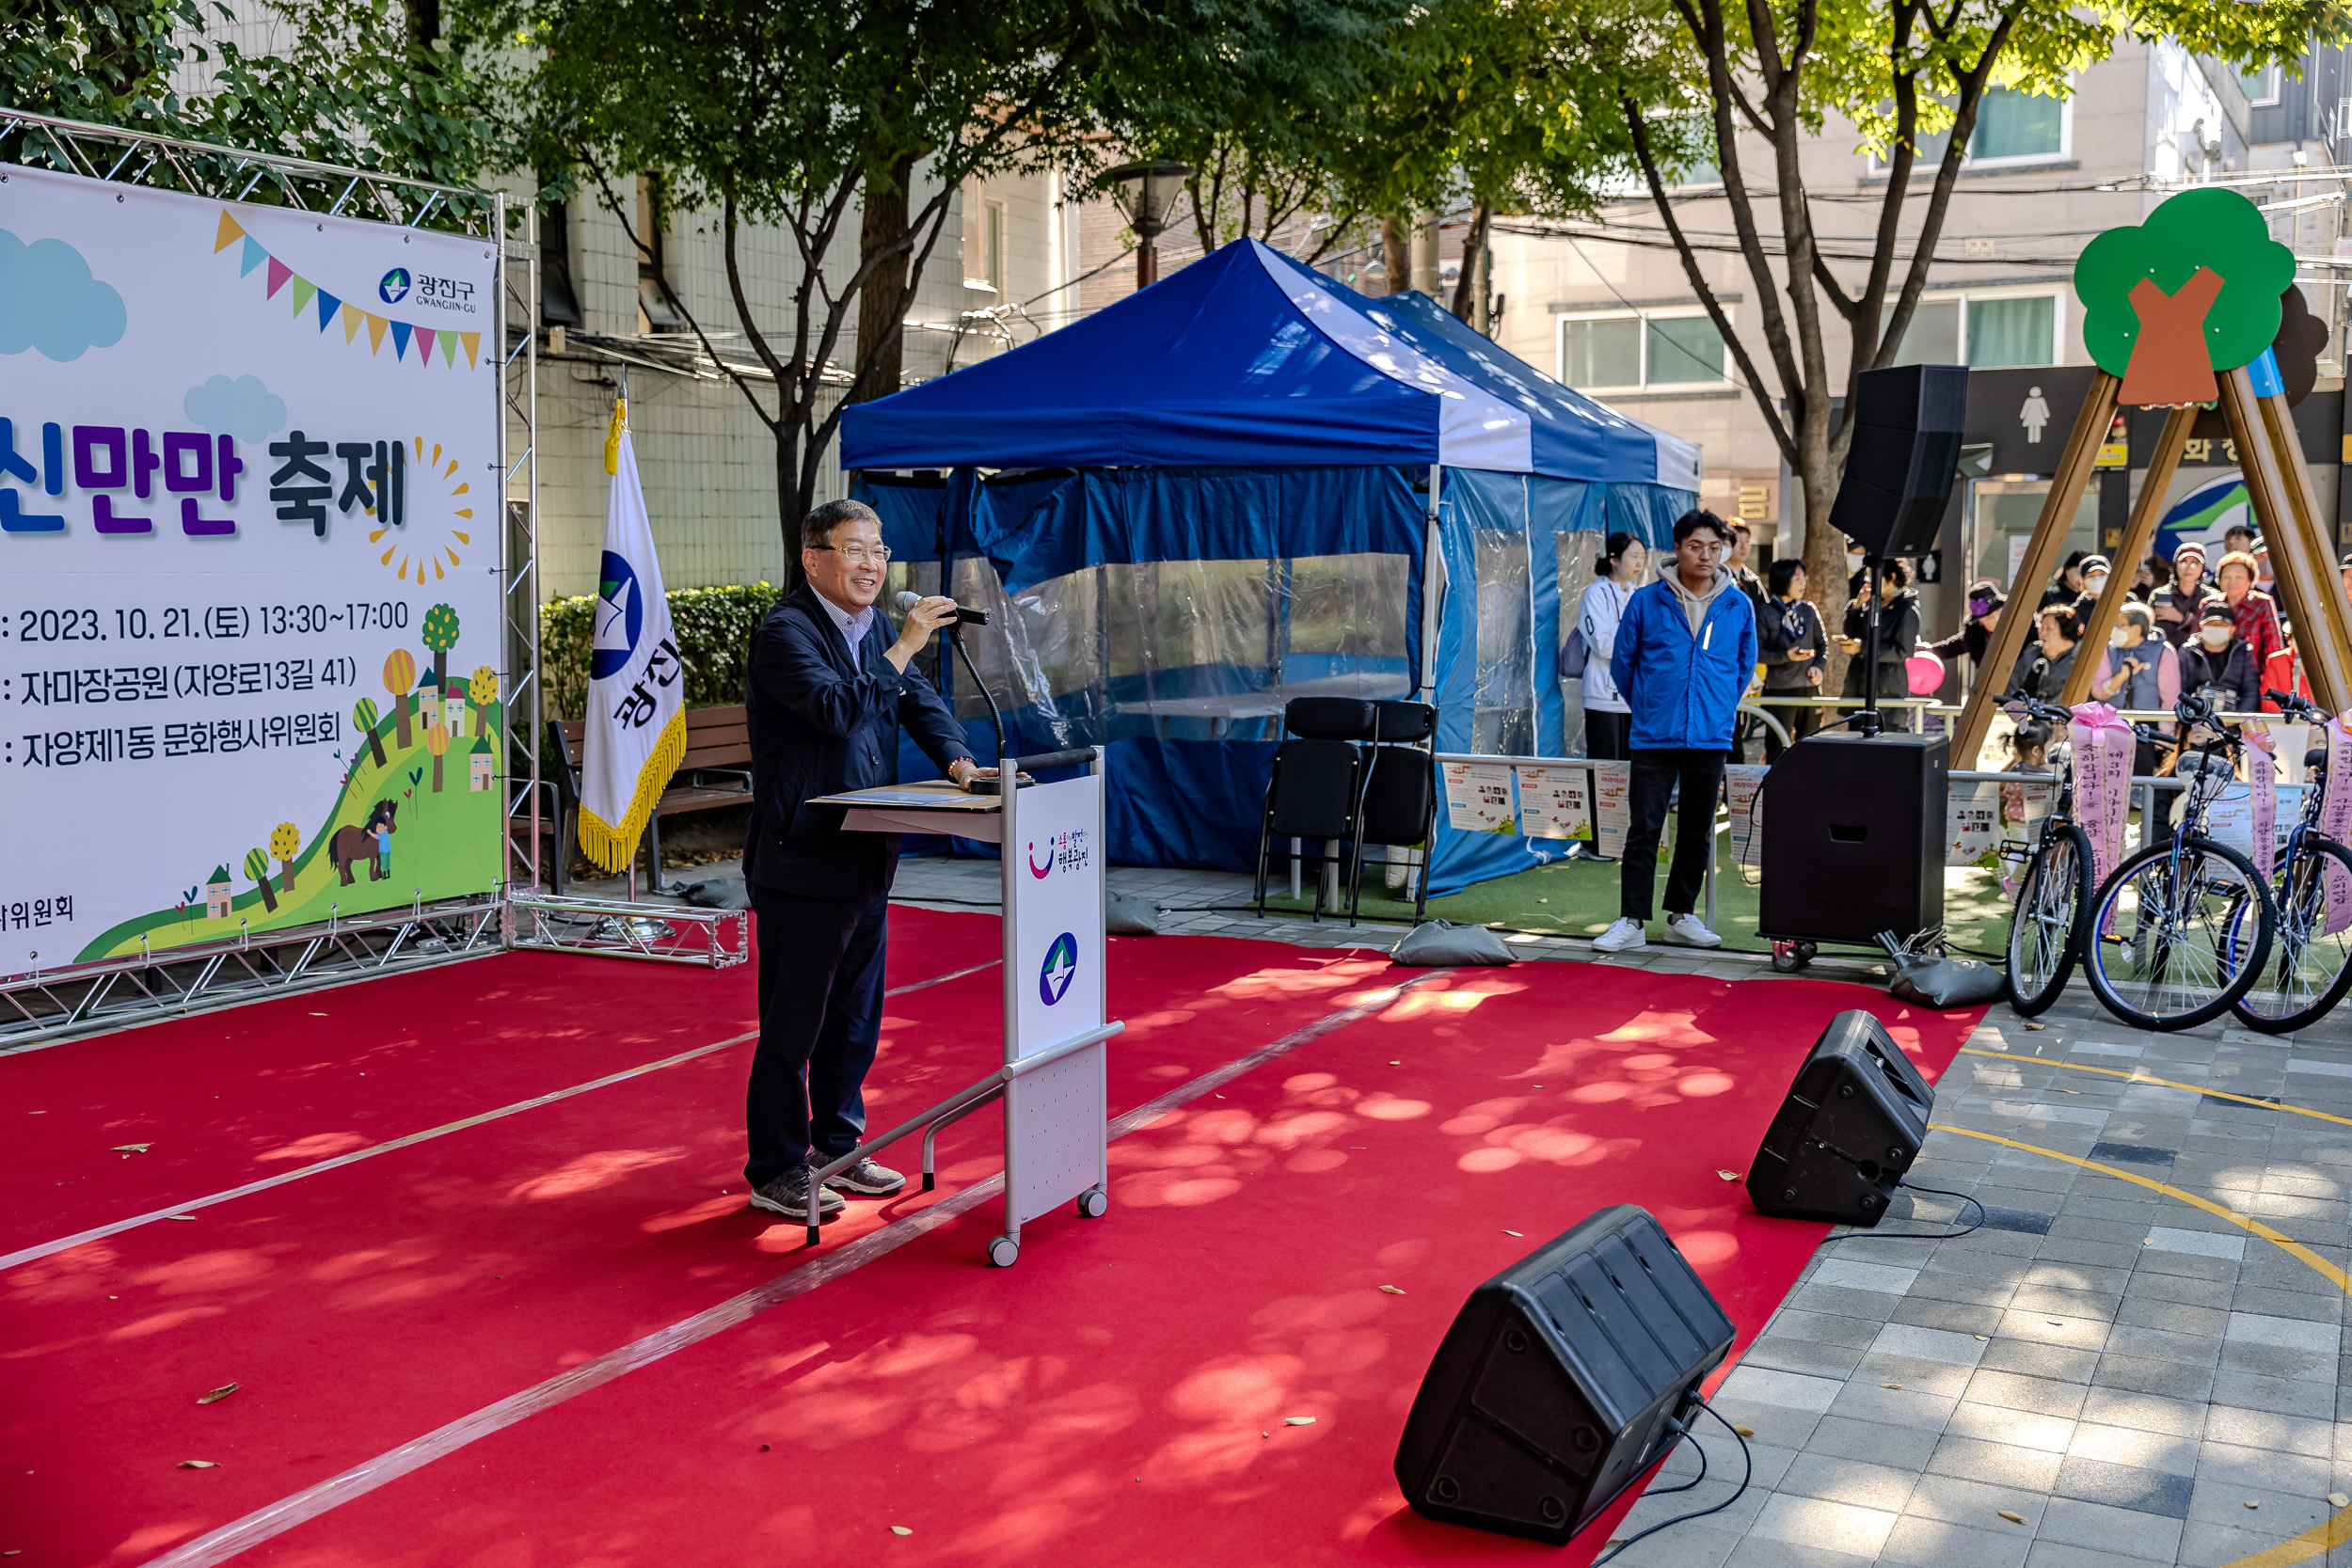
<point x="1041" y="872"/>
<point x="1060" y="968"/>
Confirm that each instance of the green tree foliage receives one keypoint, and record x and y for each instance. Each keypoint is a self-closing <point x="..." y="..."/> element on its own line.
<point x="1760" y="79"/>
<point x="440" y="635"/>
<point x="108" y="61"/>
<point x="2216" y="229"/>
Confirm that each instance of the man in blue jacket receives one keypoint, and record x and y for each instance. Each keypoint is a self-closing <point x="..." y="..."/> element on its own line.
<point x="827" y="692"/>
<point x="1685" y="652"/>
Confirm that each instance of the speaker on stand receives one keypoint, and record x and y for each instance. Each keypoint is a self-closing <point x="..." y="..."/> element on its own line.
<point x="1561" y="1379"/>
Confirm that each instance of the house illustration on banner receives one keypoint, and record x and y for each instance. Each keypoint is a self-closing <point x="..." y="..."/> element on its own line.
<point x="478" y="764"/>
<point x="217" y="894"/>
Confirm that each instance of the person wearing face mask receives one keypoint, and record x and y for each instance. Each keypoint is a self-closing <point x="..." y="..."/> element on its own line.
<point x="2095" y="571"/>
<point x="1985" y="603"/>
<point x="2219" y="666"/>
<point x="2139" y="672"/>
<point x="2069" y="587"/>
<point x="2041" y="673"/>
<point x="2180" y="606"/>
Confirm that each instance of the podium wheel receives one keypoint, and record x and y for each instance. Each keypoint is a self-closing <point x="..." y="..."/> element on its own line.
<point x="1093" y="1203"/>
<point x="1003" y="1252"/>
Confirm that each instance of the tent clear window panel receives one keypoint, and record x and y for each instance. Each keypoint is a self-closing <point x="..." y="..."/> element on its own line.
<point x="1601" y="353"/>
<point x="1577" y="561"/>
<point x="1184" y="649"/>
<point x="1504" y="717"/>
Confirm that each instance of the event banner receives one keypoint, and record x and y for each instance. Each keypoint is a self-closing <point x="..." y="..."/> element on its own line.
<point x="250" y="569"/>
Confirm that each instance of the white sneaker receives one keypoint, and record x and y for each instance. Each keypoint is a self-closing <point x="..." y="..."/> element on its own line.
<point x="1623" y="937"/>
<point x="1688" y="931"/>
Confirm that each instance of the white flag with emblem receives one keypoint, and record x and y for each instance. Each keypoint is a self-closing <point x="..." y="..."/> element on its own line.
<point x="636" y="682"/>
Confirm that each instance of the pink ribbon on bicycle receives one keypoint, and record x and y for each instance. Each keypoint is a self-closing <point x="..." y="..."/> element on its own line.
<point x="2104" y="746"/>
<point x="2335" y="818"/>
<point x="2262" y="775"/>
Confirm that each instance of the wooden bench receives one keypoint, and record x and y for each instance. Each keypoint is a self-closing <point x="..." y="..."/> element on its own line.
<point x="716" y="772"/>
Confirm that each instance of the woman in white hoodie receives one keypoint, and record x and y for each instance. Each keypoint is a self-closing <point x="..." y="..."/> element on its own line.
<point x="1608" y="721"/>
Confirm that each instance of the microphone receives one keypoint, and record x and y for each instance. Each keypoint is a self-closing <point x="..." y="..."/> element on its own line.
<point x="908" y="599"/>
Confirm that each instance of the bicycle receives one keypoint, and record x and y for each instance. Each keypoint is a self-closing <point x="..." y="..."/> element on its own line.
<point x="2166" y="946"/>
<point x="2311" y="965"/>
<point x="2045" y="935"/>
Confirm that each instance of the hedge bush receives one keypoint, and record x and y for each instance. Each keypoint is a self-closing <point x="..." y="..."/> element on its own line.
<point x="714" y="638"/>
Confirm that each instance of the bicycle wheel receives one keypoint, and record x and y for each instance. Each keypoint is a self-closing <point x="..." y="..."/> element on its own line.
<point x="2046" y="932"/>
<point x="2310" y="966"/>
<point x="2159" y="951"/>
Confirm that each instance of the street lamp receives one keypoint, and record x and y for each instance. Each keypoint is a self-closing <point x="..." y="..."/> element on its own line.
<point x="1146" y="195"/>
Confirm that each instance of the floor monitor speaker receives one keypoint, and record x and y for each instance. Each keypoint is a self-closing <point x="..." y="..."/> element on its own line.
<point x="1908" y="422"/>
<point x="1853" y="838"/>
<point x="1561" y="1379"/>
<point x="1851" y="1126"/>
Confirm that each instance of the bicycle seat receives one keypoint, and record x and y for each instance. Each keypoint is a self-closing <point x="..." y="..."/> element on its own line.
<point x="2315" y="757"/>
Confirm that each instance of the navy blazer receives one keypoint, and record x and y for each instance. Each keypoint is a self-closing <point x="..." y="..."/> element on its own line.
<point x="818" y="727"/>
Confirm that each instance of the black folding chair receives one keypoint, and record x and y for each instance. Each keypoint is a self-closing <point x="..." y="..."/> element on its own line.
<point x="1399" y="803"/>
<point x="1317" y="785"/>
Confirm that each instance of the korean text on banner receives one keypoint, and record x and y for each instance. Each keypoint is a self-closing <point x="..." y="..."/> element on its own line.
<point x="2335" y="819"/>
<point x="2104" y="746"/>
<point x="1056" y="980"/>
<point x="1743" y="797"/>
<point x="636" y="684"/>
<point x="250" y="569"/>
<point x="1555" y="802"/>
<point x="1612" y="807"/>
<point x="1478" y="798"/>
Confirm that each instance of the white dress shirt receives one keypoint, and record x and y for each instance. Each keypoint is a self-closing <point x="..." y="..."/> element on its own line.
<point x="852" y="628"/>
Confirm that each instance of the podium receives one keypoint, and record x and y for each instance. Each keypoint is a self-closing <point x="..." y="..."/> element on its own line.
<point x="1052" y="1080"/>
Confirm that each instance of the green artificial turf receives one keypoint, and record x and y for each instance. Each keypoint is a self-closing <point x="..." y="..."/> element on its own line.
<point x="1579" y="899"/>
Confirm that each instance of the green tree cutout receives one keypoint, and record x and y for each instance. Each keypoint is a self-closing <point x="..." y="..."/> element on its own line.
<point x="2192" y="291"/>
<point x="364" y="715"/>
<point x="257" y="867"/>
<point x="440" y="636"/>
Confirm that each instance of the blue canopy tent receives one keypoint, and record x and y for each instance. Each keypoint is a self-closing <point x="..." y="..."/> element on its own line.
<point x="1247" y="484"/>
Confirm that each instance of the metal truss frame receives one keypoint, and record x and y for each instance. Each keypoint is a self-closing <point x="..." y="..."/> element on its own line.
<point x="613" y="928"/>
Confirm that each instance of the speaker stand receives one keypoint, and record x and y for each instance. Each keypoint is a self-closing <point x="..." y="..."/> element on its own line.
<point x="1865" y="720"/>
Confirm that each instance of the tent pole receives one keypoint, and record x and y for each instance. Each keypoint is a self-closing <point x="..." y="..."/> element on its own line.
<point x="1432" y="592"/>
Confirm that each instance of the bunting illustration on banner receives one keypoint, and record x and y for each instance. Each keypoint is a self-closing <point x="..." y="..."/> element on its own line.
<point x="636" y="681"/>
<point x="310" y="301"/>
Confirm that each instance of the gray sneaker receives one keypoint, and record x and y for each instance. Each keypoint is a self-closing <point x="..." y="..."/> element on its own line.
<point x="866" y="1179"/>
<point x="787" y="1195"/>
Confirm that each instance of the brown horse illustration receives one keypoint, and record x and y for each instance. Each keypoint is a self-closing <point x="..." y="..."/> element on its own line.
<point x="350" y="845"/>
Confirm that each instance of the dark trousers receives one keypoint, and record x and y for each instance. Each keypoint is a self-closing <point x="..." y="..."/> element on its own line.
<point x="1654" y="775"/>
<point x="1800" y="723"/>
<point x="820" y="1001"/>
<point x="1608" y="737"/>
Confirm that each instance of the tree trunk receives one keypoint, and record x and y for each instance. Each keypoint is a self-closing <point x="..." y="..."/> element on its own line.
<point x="881" y="303"/>
<point x="437" y="773"/>
<point x="400" y="706"/>
<point x="1396" y="255"/>
<point x="269" y="899"/>
<point x="375" y="744"/>
<point x="285" y="875"/>
<point x="1466" y="290"/>
<point x="1824" y="549"/>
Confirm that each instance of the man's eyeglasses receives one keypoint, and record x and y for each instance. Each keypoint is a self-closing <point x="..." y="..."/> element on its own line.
<point x="858" y="555"/>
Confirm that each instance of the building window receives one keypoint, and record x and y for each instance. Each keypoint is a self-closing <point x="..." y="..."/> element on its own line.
<point x="1627" y="353"/>
<point x="2261" y="86"/>
<point x="655" y="313"/>
<point x="559" y="301"/>
<point x="1983" y="331"/>
<point x="2013" y="127"/>
<point x="992" y="245"/>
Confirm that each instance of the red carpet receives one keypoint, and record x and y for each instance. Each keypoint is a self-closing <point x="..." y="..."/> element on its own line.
<point x="1000" y="1417"/>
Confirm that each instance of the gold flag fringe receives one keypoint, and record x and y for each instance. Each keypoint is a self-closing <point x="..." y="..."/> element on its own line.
<point x="614" y="848"/>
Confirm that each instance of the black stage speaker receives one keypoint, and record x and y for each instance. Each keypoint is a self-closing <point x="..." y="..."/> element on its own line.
<point x="1906" y="449"/>
<point x="1853" y="838"/>
<point x="1561" y="1379"/>
<point x="1851" y="1125"/>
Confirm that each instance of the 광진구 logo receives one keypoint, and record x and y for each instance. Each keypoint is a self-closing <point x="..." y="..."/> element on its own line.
<point x="620" y="612"/>
<point x="394" y="288"/>
<point x="1059" y="969"/>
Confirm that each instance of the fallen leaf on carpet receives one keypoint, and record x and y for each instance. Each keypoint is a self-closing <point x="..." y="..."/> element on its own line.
<point x="2337" y="1499"/>
<point x="1265" y="1434"/>
<point x="1298" y="1421"/>
<point x="1220" y="1097"/>
<point x="1522" y="1234"/>
<point x="179" y="1216"/>
<point x="2013" y="1518"/>
<point x="763" y="1447"/>
<point x="318" y="1015"/>
<point x="1396" y="1064"/>
<point x="198" y="1465"/>
<point x="901" y="1530"/>
<point x="216" y="1395"/>
<point x="1392" y="1289"/>
<point x="1744" y="1432"/>
<point x="1728" y="1174"/>
<point x="130" y="1148"/>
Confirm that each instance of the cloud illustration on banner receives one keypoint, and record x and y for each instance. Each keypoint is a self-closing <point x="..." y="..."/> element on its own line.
<point x="243" y="408"/>
<point x="50" y="302"/>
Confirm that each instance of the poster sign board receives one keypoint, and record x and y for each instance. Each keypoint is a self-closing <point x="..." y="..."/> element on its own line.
<point x="250" y="542"/>
<point x="1478" y="798"/>
<point x="1056" y="958"/>
<point x="1555" y="802"/>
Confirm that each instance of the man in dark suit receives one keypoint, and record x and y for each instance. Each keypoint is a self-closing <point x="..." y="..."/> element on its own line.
<point x="828" y="691"/>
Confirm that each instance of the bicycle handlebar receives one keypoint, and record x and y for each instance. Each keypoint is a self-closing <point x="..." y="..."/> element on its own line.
<point x="2296" y="706"/>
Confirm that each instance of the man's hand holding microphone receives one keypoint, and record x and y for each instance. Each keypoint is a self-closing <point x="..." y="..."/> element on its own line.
<point x="926" y="614"/>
